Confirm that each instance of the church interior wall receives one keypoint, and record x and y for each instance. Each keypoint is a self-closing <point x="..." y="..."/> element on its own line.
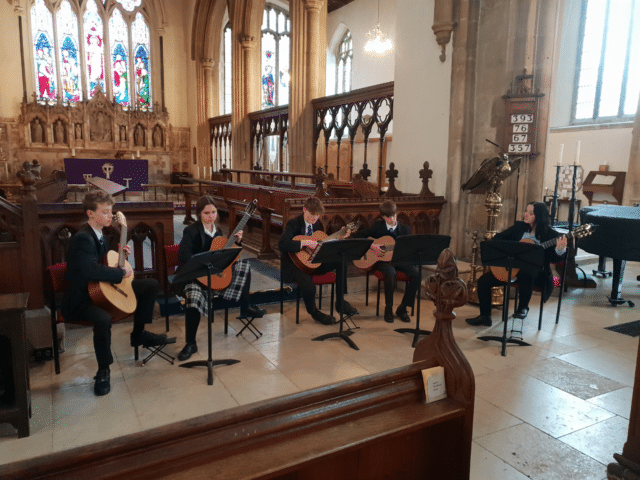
<point x="11" y="82"/>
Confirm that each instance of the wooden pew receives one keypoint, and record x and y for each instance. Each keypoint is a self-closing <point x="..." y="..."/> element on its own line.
<point x="369" y="428"/>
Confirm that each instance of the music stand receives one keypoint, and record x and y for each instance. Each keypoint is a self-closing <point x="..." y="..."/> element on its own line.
<point x="510" y="255"/>
<point x="418" y="250"/>
<point x="341" y="251"/>
<point x="206" y="263"/>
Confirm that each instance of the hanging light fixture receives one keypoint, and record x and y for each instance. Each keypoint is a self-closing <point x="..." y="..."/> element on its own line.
<point x="377" y="45"/>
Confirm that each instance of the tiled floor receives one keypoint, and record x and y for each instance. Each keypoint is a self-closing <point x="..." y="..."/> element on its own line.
<point x="556" y="409"/>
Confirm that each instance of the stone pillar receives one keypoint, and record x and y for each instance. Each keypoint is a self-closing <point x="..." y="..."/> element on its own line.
<point x="308" y="64"/>
<point x="208" y="83"/>
<point x="632" y="181"/>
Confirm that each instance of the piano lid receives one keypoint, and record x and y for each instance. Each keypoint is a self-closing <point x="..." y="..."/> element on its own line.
<point x="617" y="234"/>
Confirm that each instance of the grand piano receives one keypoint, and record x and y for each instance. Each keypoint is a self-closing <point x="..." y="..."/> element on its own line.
<point x="617" y="236"/>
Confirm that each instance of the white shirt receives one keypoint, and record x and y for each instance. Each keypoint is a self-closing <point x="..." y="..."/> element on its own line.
<point x="98" y="233"/>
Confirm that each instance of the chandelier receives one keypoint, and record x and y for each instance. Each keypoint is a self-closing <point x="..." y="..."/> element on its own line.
<point x="377" y="45"/>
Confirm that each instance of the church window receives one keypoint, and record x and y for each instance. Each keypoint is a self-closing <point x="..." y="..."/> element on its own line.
<point x="118" y="38"/>
<point x="68" y="43"/>
<point x="227" y="41"/>
<point x="44" y="52"/>
<point x="276" y="40"/>
<point x="608" y="78"/>
<point x="79" y="47"/>
<point x="344" y="62"/>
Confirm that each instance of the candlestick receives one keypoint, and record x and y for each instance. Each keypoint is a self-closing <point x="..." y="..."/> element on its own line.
<point x="561" y="154"/>
<point x="577" y="160"/>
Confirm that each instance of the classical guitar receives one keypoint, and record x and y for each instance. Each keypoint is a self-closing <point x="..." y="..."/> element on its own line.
<point x="117" y="299"/>
<point x="370" y="258"/>
<point x="502" y="273"/>
<point x="222" y="280"/>
<point x="304" y="258"/>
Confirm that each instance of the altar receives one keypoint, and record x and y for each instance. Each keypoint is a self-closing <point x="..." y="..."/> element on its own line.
<point x="131" y="173"/>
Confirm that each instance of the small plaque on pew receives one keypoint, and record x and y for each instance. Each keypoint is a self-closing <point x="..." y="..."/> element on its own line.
<point x="435" y="387"/>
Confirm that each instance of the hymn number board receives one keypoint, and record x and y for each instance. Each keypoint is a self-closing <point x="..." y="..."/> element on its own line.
<point x="522" y="126"/>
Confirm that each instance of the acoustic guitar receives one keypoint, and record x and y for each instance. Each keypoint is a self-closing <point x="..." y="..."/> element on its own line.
<point x="222" y="280"/>
<point x="117" y="299"/>
<point x="502" y="273"/>
<point x="304" y="258"/>
<point x="370" y="258"/>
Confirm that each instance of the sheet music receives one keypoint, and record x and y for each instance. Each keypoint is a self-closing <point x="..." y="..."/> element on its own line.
<point x="603" y="180"/>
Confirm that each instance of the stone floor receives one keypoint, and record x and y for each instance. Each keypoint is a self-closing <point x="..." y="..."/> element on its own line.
<point x="558" y="409"/>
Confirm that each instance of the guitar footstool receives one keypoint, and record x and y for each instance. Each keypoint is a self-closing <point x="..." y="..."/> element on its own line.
<point x="157" y="350"/>
<point x="247" y="321"/>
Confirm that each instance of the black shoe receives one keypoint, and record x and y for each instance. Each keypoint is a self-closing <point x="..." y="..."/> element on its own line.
<point x="188" y="350"/>
<point x="388" y="314"/>
<point x="253" y="311"/>
<point x="103" y="382"/>
<point x="148" y="339"/>
<point x="401" y="312"/>
<point x="480" y="320"/>
<point x="522" y="313"/>
<point x="323" y="318"/>
<point x="346" y="309"/>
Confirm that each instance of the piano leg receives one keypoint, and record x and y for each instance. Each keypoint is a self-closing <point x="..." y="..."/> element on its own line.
<point x="602" y="268"/>
<point x="616" y="284"/>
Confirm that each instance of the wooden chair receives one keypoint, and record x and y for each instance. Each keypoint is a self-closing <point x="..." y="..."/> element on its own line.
<point x="400" y="277"/>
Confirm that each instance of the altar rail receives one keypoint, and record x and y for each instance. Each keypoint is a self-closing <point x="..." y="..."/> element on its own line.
<point x="369" y="428"/>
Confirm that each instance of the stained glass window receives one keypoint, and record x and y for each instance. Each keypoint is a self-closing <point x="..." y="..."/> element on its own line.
<point x="44" y="52"/>
<point x="130" y="5"/>
<point x="345" y="59"/>
<point x="119" y="40"/>
<point x="140" y="36"/>
<point x="67" y="24"/>
<point x="227" y="68"/>
<point x="69" y="46"/>
<point x="94" y="48"/>
<point x="275" y="52"/>
<point x="609" y="61"/>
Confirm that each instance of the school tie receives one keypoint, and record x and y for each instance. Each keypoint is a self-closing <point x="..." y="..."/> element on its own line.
<point x="309" y="230"/>
<point x="392" y="232"/>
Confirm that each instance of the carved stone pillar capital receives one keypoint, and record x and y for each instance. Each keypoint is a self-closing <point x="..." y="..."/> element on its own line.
<point x="18" y="8"/>
<point x="207" y="63"/>
<point x="443" y="24"/>
<point x="248" y="43"/>
<point x="313" y="5"/>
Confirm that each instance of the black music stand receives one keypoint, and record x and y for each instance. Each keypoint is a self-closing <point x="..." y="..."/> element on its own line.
<point x="418" y="250"/>
<point x="200" y="265"/>
<point x="341" y="251"/>
<point x="510" y="255"/>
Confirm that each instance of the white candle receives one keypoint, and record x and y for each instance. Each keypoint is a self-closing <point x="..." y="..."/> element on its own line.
<point x="138" y="153"/>
<point x="577" y="160"/>
<point x="561" y="154"/>
<point x="73" y="152"/>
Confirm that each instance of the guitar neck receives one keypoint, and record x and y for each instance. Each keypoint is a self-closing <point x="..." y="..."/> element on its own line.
<point x="553" y="241"/>
<point x="240" y="226"/>
<point x="123" y="242"/>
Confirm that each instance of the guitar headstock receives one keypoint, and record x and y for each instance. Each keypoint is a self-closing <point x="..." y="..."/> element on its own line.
<point x="120" y="219"/>
<point x="352" y="226"/>
<point x="584" y="230"/>
<point x="251" y="207"/>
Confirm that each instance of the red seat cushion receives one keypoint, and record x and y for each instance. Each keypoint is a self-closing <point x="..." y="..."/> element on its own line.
<point x="324" y="279"/>
<point x="171" y="258"/>
<point x="400" y="276"/>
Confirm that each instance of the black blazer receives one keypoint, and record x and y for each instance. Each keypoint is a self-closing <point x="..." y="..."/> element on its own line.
<point x="516" y="232"/>
<point x="294" y="227"/>
<point x="194" y="240"/>
<point x="379" y="229"/>
<point x="83" y="265"/>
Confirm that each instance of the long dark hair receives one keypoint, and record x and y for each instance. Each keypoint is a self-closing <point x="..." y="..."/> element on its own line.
<point x="543" y="220"/>
<point x="203" y="202"/>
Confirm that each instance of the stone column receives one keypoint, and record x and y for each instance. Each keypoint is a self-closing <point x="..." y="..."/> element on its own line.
<point x="308" y="63"/>
<point x="207" y="83"/>
<point x="632" y="180"/>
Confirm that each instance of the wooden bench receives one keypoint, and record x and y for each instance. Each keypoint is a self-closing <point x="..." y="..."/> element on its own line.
<point x="369" y="428"/>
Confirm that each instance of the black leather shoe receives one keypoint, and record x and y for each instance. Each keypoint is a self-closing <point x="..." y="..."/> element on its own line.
<point x="103" y="382"/>
<point x="253" y="311"/>
<point x="521" y="313"/>
<point x="401" y="312"/>
<point x="148" y="339"/>
<point x="188" y="350"/>
<point x="323" y="318"/>
<point x="388" y="315"/>
<point x="480" y="321"/>
<point x="346" y="309"/>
